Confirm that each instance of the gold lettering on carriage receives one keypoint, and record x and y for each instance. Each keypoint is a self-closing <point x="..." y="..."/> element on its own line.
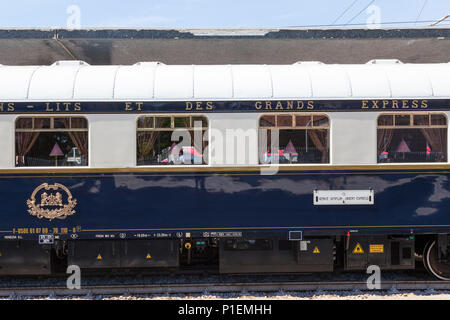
<point x="394" y="104"/>
<point x="7" y="106"/>
<point x="133" y="106"/>
<point x="284" y="105"/>
<point x="199" y="106"/>
<point x="62" y="106"/>
<point x="51" y="201"/>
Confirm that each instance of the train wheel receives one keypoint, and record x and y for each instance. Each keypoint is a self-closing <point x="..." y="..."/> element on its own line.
<point x="438" y="269"/>
<point x="424" y="254"/>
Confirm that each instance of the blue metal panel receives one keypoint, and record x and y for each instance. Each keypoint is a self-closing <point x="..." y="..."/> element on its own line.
<point x="160" y="204"/>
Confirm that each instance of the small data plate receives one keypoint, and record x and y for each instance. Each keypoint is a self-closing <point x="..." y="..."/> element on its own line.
<point x="46" y="239"/>
<point x="343" y="197"/>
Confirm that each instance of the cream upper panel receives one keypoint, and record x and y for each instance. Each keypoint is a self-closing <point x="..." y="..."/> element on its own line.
<point x="213" y="82"/>
<point x="233" y="139"/>
<point x="251" y="82"/>
<point x="353" y="137"/>
<point x="156" y="81"/>
<point x="59" y="78"/>
<point x="408" y="82"/>
<point x="112" y="140"/>
<point x="329" y="82"/>
<point x="438" y="77"/>
<point x="291" y="81"/>
<point x="95" y="83"/>
<point x="353" y="134"/>
<point x="7" y="143"/>
<point x="376" y="85"/>
<point x="134" y="82"/>
<point x="15" y="82"/>
<point x="173" y="82"/>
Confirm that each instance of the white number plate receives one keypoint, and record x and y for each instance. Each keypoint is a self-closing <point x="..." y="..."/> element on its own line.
<point x="343" y="197"/>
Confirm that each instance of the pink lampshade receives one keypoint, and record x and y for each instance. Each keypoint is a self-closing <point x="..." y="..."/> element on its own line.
<point x="56" y="151"/>
<point x="403" y="147"/>
<point x="290" y="148"/>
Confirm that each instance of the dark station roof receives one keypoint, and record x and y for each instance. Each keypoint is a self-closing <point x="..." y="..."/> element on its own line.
<point x="223" y="46"/>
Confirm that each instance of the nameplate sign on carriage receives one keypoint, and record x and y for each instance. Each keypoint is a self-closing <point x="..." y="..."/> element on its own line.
<point x="343" y="197"/>
<point x="391" y="105"/>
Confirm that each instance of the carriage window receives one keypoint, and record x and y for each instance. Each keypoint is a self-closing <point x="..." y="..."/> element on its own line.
<point x="51" y="141"/>
<point x="412" y="138"/>
<point x="301" y="138"/>
<point x="170" y="140"/>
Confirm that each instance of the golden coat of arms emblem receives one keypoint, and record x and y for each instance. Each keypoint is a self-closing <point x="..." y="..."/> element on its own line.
<point x="51" y="201"/>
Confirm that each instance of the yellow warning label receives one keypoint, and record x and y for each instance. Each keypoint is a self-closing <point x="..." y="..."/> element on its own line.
<point x="99" y="257"/>
<point x="376" y="248"/>
<point x="358" y="249"/>
<point x="148" y="256"/>
<point x="316" y="250"/>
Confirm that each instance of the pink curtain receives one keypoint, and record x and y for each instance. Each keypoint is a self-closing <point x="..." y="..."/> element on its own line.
<point x="26" y="140"/>
<point x="384" y="139"/>
<point x="437" y="139"/>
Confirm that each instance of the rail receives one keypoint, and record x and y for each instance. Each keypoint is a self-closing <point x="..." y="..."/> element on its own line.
<point x="217" y="288"/>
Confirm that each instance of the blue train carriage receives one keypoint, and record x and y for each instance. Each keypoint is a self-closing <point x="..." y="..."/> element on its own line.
<point x="240" y="168"/>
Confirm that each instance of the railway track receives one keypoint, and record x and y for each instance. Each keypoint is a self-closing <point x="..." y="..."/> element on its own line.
<point x="216" y="288"/>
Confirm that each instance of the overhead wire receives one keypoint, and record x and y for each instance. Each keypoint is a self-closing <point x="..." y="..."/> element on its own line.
<point x="360" y="24"/>
<point x="344" y="12"/>
<point x="357" y="15"/>
<point x="393" y="23"/>
<point x="420" y="12"/>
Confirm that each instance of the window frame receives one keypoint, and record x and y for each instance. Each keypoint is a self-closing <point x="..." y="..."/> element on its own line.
<point x="294" y="127"/>
<point x="411" y="123"/>
<point x="48" y="130"/>
<point x="411" y="126"/>
<point x="172" y="128"/>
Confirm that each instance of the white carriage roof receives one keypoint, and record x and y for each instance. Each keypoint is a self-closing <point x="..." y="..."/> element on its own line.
<point x="78" y="81"/>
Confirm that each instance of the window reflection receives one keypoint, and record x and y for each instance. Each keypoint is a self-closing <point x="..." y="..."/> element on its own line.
<point x="301" y="139"/>
<point x="171" y="140"/>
